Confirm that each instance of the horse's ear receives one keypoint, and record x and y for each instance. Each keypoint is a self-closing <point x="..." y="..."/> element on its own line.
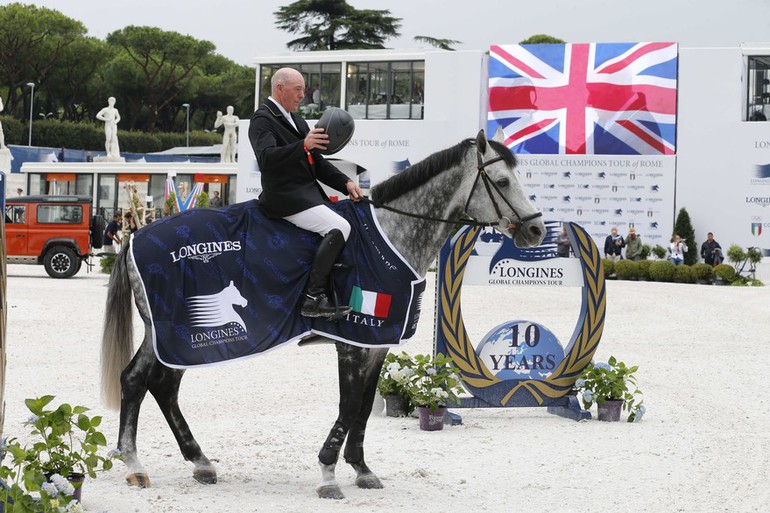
<point x="481" y="141"/>
<point x="232" y="284"/>
<point x="499" y="135"/>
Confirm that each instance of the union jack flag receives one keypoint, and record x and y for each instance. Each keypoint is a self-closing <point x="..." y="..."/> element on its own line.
<point x="598" y="98"/>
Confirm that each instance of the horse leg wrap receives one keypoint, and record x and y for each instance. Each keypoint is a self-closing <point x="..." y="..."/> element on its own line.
<point x="354" y="450"/>
<point x="331" y="448"/>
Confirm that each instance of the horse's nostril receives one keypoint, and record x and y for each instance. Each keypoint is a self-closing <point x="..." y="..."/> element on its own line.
<point x="536" y="231"/>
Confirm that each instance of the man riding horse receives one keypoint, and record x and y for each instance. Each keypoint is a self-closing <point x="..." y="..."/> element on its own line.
<point x="291" y="164"/>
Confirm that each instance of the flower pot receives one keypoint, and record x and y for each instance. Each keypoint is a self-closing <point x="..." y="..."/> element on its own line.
<point x="396" y="406"/>
<point x="609" y="410"/>
<point x="431" y="420"/>
<point x="76" y="479"/>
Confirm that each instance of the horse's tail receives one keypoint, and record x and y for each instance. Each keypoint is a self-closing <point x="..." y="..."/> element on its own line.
<point x="118" y="335"/>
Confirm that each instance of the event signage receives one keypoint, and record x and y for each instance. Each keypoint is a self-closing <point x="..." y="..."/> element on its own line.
<point x="520" y="362"/>
<point x="602" y="191"/>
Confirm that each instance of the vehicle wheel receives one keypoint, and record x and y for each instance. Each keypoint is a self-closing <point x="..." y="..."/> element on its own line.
<point x="60" y="262"/>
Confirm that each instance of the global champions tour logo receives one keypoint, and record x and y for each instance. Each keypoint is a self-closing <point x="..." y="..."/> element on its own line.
<point x="215" y="314"/>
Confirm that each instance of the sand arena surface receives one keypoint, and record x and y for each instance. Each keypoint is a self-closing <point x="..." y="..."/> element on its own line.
<point x="704" y="444"/>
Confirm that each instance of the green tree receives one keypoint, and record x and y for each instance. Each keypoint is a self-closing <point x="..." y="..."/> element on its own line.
<point x="541" y="39"/>
<point x="221" y="83"/>
<point x="683" y="228"/>
<point x="335" y="25"/>
<point x="32" y="40"/>
<point x="161" y="64"/>
<point x="76" y="89"/>
<point x="442" y="44"/>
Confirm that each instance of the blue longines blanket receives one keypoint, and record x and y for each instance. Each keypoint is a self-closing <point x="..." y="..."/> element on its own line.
<point x="227" y="284"/>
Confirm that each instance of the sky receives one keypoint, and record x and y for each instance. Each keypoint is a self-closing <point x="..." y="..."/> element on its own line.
<point x="244" y="29"/>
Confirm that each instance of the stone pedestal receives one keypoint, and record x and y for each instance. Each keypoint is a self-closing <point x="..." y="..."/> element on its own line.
<point x="107" y="158"/>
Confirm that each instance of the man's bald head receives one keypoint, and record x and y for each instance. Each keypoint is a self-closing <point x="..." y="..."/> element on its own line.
<point x="288" y="88"/>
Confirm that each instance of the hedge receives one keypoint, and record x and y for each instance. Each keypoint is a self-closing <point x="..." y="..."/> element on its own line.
<point x="53" y="133"/>
<point x="662" y="270"/>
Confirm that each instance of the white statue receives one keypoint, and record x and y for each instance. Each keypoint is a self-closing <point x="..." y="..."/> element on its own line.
<point x="111" y="118"/>
<point x="2" y="135"/>
<point x="5" y="153"/>
<point x="230" y="137"/>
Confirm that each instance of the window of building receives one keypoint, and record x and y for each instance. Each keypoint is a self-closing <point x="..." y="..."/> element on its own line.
<point x="758" y="108"/>
<point x="107" y="195"/>
<point x="385" y="90"/>
<point x="322" y="85"/>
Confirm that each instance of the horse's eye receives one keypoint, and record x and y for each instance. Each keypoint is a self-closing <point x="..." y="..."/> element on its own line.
<point x="503" y="182"/>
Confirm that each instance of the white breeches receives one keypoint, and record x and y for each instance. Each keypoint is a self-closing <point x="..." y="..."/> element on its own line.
<point x="321" y="220"/>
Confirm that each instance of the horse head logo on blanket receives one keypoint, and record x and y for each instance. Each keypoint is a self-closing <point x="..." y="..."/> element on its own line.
<point x="217" y="309"/>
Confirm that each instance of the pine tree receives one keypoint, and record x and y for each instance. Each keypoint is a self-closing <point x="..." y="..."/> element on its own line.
<point x="683" y="228"/>
<point x="335" y="25"/>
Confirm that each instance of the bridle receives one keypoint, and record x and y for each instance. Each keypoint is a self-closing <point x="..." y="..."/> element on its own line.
<point x="503" y="222"/>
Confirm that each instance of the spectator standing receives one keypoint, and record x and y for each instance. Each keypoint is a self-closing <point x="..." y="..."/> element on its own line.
<point x="112" y="234"/>
<point x="711" y="251"/>
<point x="216" y="201"/>
<point x="131" y="222"/>
<point x="613" y="245"/>
<point x="61" y="155"/>
<point x="678" y="248"/>
<point x="633" y="245"/>
<point x="562" y="246"/>
<point x="89" y="157"/>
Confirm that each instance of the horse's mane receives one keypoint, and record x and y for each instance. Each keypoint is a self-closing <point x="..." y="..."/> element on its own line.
<point x="431" y="166"/>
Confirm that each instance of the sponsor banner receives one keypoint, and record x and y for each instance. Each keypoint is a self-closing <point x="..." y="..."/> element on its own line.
<point x="602" y="191"/>
<point x="495" y="260"/>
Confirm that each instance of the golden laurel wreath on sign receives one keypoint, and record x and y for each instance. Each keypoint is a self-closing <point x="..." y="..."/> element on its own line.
<point x="585" y="340"/>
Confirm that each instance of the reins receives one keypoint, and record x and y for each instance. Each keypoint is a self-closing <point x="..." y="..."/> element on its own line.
<point x="490" y="187"/>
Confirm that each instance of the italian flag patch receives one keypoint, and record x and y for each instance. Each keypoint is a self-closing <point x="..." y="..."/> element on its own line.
<point x="370" y="303"/>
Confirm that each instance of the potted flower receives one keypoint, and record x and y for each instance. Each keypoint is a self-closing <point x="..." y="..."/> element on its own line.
<point x="65" y="449"/>
<point x="612" y="386"/>
<point x="392" y="385"/>
<point x="432" y="387"/>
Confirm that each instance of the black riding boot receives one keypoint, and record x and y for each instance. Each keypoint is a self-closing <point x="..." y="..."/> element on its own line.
<point x="317" y="303"/>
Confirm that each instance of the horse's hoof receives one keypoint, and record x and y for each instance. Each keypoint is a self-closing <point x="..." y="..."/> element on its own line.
<point x="330" y="492"/>
<point x="205" y="475"/>
<point x="140" y="480"/>
<point x="369" y="482"/>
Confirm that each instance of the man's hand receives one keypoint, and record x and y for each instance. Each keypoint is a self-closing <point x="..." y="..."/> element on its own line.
<point x="354" y="191"/>
<point x="316" y="138"/>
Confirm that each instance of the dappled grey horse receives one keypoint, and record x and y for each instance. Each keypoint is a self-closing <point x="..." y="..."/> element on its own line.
<point x="473" y="182"/>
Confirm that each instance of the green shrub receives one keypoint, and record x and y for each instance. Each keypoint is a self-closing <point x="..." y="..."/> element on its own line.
<point x="609" y="267"/>
<point x="106" y="262"/>
<point x="684" y="274"/>
<point x="683" y="228"/>
<point x="644" y="269"/>
<point x="724" y="272"/>
<point x="53" y="133"/>
<point x="754" y="255"/>
<point x="138" y="142"/>
<point x="736" y="254"/>
<point x="742" y="281"/>
<point x="659" y="252"/>
<point x="662" y="270"/>
<point x="16" y="132"/>
<point x="627" y="269"/>
<point x="703" y="271"/>
<point x="646" y="251"/>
